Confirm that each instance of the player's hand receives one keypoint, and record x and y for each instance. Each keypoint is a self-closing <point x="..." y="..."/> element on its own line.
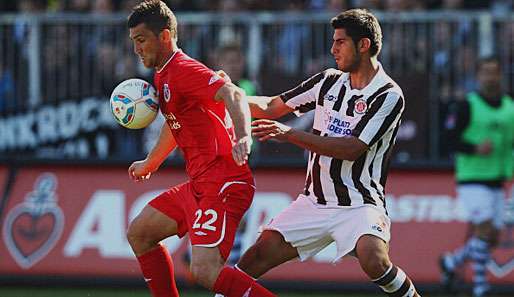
<point x="140" y="170"/>
<point x="241" y="150"/>
<point x="224" y="75"/>
<point x="485" y="148"/>
<point x="268" y="129"/>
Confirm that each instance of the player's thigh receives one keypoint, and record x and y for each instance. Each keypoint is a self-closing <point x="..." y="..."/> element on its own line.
<point x="153" y="224"/>
<point x="269" y="250"/>
<point x="163" y="217"/>
<point x="218" y="214"/>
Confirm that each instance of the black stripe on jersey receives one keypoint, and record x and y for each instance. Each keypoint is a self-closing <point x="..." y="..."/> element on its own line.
<point x="387" y="157"/>
<point x="343" y="197"/>
<point x="303" y="87"/>
<point x="379" y="91"/>
<point x="369" y="115"/>
<point x="308" y="181"/>
<point x="370" y="170"/>
<point x="340" y="97"/>
<point x="357" y="169"/>
<point x="316" y="181"/>
<point x="388" y="121"/>
<point x="327" y="84"/>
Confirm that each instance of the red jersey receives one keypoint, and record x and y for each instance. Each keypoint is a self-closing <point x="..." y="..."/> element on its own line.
<point x="201" y="125"/>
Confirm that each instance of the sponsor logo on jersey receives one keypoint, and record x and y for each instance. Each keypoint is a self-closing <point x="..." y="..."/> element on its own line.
<point x="167" y="93"/>
<point x="330" y="97"/>
<point x="360" y="106"/>
<point x="32" y="228"/>
<point x="172" y="121"/>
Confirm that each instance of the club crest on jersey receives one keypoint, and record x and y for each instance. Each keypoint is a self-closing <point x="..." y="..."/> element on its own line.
<point x="360" y="106"/>
<point x="167" y="93"/>
<point x="33" y="227"/>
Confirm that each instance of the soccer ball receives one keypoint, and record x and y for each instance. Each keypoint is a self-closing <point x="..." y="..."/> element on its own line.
<point x="134" y="103"/>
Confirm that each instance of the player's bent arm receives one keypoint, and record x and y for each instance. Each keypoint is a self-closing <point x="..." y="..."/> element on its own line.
<point x="162" y="148"/>
<point x="264" y="107"/>
<point x="237" y="106"/>
<point x="344" y="148"/>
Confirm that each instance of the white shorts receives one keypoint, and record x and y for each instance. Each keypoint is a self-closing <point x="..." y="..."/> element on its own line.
<point x="310" y="229"/>
<point x="480" y="203"/>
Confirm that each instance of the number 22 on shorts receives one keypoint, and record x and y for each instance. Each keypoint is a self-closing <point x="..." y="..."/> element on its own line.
<point x="211" y="215"/>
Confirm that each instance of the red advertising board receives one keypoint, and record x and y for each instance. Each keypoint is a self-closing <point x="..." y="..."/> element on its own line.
<point x="72" y="221"/>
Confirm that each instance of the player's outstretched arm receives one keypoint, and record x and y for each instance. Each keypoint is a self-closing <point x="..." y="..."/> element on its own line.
<point x="142" y="170"/>
<point x="237" y="106"/>
<point x="343" y="148"/>
<point x="264" y="107"/>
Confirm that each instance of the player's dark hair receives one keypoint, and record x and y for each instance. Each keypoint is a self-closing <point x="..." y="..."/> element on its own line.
<point x="156" y="15"/>
<point x="360" y="23"/>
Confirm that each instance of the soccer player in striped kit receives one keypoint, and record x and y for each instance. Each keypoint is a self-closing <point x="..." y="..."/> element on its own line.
<point x="357" y="108"/>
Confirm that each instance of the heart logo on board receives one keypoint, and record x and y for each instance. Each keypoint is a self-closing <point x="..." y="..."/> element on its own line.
<point x="32" y="228"/>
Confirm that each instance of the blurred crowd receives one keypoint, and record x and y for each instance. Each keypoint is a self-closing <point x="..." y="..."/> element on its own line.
<point x="106" y="6"/>
<point x="434" y="61"/>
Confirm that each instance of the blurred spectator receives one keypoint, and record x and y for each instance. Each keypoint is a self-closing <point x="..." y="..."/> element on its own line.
<point x="481" y="131"/>
<point x="6" y="88"/>
<point x="290" y="41"/>
<point x="102" y="6"/>
<point x="80" y="6"/>
<point x="230" y="58"/>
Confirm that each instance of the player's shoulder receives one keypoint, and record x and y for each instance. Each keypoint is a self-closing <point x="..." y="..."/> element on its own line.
<point x="185" y="64"/>
<point x="389" y="86"/>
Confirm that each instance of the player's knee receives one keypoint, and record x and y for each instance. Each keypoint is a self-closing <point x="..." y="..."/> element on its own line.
<point x="205" y="273"/>
<point x="375" y="264"/>
<point x="373" y="259"/>
<point x="136" y="235"/>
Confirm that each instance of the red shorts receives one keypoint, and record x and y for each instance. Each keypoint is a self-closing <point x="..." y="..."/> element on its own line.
<point x="210" y="212"/>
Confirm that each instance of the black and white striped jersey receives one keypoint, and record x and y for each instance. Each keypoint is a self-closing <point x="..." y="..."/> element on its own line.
<point x="372" y="114"/>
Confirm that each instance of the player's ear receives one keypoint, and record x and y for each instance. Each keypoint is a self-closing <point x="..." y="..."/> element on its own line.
<point x="165" y="35"/>
<point x="364" y="45"/>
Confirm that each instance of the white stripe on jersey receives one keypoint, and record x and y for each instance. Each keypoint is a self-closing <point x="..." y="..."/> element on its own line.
<point x="372" y="114"/>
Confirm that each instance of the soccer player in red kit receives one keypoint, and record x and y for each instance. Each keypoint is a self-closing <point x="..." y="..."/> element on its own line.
<point x="194" y="101"/>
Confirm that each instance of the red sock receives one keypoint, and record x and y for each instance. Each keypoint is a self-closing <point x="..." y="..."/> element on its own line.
<point x="157" y="269"/>
<point x="234" y="283"/>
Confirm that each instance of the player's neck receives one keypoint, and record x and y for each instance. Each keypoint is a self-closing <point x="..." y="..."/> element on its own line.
<point x="364" y="74"/>
<point x="166" y="57"/>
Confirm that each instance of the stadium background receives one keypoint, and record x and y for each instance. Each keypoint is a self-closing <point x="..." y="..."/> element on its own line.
<point x="66" y="200"/>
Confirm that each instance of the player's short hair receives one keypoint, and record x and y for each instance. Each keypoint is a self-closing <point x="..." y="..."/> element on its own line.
<point x="156" y="15"/>
<point x="360" y="23"/>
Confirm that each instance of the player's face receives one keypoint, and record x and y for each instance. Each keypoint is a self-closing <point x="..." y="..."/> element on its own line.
<point x="146" y="45"/>
<point x="344" y="51"/>
<point x="489" y="77"/>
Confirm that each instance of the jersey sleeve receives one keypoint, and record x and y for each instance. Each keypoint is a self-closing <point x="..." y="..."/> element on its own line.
<point x="383" y="114"/>
<point x="199" y="82"/>
<point x="303" y="97"/>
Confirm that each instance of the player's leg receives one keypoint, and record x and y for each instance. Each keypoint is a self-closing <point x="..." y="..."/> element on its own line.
<point x="144" y="234"/>
<point x="481" y="208"/>
<point x="372" y="253"/>
<point x="212" y="233"/>
<point x="270" y="250"/>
